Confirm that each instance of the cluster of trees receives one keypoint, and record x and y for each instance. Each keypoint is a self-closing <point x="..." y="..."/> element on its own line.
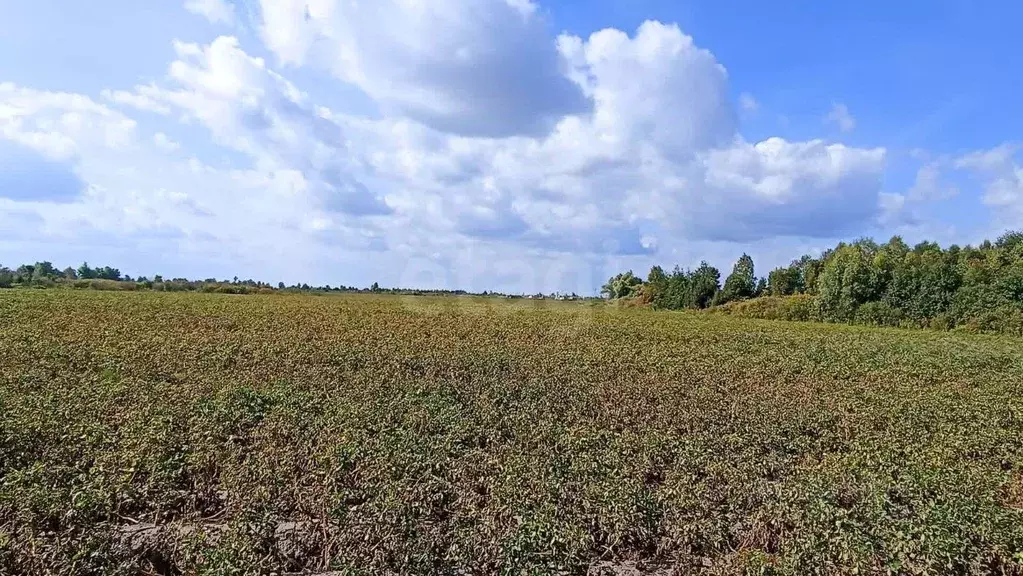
<point x="44" y="273"/>
<point x="889" y="284"/>
<point x="893" y="284"/>
<point x="684" y="288"/>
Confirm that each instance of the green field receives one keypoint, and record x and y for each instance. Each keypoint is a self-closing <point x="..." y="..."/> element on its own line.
<point x="216" y="434"/>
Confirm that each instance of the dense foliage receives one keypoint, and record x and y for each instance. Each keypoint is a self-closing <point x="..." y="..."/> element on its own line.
<point x="408" y="435"/>
<point x="45" y="275"/>
<point x="978" y="288"/>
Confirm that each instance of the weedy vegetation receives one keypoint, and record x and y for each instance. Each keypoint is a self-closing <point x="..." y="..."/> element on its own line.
<point x="264" y="434"/>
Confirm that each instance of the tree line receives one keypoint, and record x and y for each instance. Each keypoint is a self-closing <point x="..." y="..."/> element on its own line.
<point x="891" y="284"/>
<point x="46" y="275"/>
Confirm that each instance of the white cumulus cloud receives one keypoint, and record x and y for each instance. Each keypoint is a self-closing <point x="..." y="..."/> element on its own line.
<point x="60" y="124"/>
<point x="474" y="67"/>
<point x="252" y="109"/>
<point x="498" y="146"/>
<point x="216" y="11"/>
<point x="659" y="154"/>
<point x="1002" y="175"/>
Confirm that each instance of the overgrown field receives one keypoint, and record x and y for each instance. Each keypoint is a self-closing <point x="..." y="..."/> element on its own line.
<point x="224" y="434"/>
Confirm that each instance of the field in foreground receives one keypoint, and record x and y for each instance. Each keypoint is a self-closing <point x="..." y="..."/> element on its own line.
<point x="371" y="435"/>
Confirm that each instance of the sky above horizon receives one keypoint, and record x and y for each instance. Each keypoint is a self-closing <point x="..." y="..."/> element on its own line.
<point x="513" y="145"/>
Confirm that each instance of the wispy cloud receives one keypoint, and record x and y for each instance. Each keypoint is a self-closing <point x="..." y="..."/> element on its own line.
<point x="840" y="117"/>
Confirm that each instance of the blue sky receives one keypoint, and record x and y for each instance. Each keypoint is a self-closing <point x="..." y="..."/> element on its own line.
<point x="498" y="144"/>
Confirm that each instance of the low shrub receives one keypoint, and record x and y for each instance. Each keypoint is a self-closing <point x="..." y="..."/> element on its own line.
<point x="1007" y="319"/>
<point x="878" y="314"/>
<point x="800" y="308"/>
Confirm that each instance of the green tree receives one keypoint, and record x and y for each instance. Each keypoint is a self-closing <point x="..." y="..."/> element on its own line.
<point x="106" y="273"/>
<point x="657" y="287"/>
<point x="761" y="288"/>
<point x="741" y="284"/>
<point x="44" y="274"/>
<point x="784" y="281"/>
<point x="1011" y="241"/>
<point x="846" y="281"/>
<point x="974" y="301"/>
<point x="43" y="271"/>
<point x="23" y="275"/>
<point x="704" y="283"/>
<point x="1010" y="283"/>
<point x="810" y="269"/>
<point x="6" y="277"/>
<point x="886" y="262"/>
<point x="623" y="285"/>
<point x="924" y="283"/>
<point x="677" y="288"/>
<point x="85" y="272"/>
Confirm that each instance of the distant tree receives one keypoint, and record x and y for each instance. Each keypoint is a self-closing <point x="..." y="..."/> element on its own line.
<point x="1010" y="282"/>
<point x="809" y="271"/>
<point x="23" y="275"/>
<point x="70" y="274"/>
<point x="44" y="272"/>
<point x="785" y="281"/>
<point x="704" y="283"/>
<point x="676" y="295"/>
<point x="85" y="272"/>
<point x="657" y="287"/>
<point x="845" y="282"/>
<point x="761" y="288"/>
<point x="1009" y="248"/>
<point x="887" y="261"/>
<point x="656" y="276"/>
<point x="6" y="277"/>
<point x="39" y="275"/>
<point x="280" y="286"/>
<point x="741" y="284"/>
<point x="622" y="285"/>
<point x="924" y="283"/>
<point x="926" y="246"/>
<point x="157" y="278"/>
<point x="106" y="273"/>
<point x="974" y="301"/>
<point x="375" y="287"/>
